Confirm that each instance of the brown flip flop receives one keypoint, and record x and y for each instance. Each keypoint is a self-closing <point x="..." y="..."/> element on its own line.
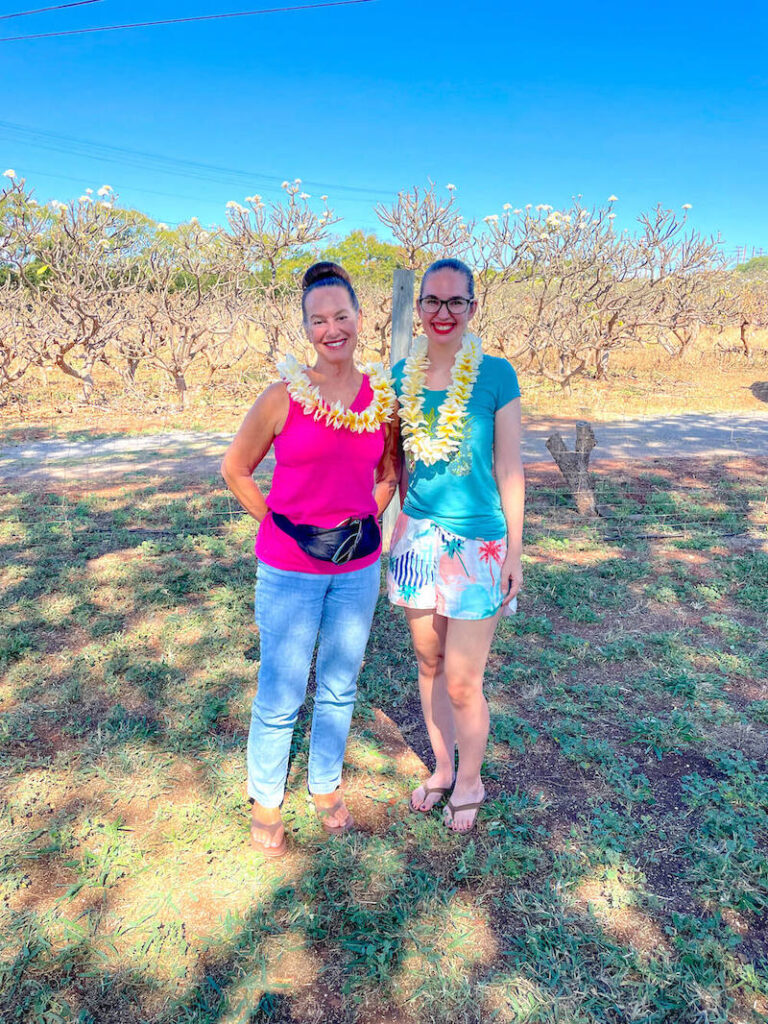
<point x="464" y="807"/>
<point x="261" y="846"/>
<point x="442" y="790"/>
<point x="324" y="812"/>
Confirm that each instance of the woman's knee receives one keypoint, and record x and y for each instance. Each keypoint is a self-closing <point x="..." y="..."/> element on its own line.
<point x="430" y="662"/>
<point x="464" y="688"/>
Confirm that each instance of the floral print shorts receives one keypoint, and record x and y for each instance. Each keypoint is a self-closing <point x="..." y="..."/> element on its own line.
<point x="430" y="567"/>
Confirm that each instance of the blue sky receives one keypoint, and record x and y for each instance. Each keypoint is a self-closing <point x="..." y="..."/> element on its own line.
<point x="658" y="103"/>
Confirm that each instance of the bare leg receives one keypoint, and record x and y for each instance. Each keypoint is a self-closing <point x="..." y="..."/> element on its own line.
<point x="266" y="816"/>
<point x="428" y="635"/>
<point x="341" y="816"/>
<point x="467" y="644"/>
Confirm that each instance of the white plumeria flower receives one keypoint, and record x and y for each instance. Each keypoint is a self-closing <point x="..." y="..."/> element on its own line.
<point x="517" y="210"/>
<point x="232" y="205"/>
<point x="324" y="199"/>
<point x="162" y="227"/>
<point x="56" y="204"/>
<point x="195" y="221"/>
<point x="105" y="206"/>
<point x="450" y="187"/>
<point x="253" y="199"/>
<point x="540" y="207"/>
<point x="613" y="199"/>
<point x="285" y="184"/>
<point x="297" y="181"/>
<point x="33" y="202"/>
<point x="507" y="206"/>
<point x="89" y="191"/>
<point x="491" y="217"/>
<point x="305" y="195"/>
<point x="687" y="206"/>
<point x="105" y="190"/>
<point x="10" y="173"/>
<point x="528" y="206"/>
<point x="85" y="199"/>
<point x="611" y="216"/>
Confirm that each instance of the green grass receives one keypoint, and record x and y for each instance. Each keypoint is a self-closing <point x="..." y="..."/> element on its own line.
<point x="619" y="871"/>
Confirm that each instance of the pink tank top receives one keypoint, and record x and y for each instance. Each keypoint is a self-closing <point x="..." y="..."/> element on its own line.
<point x="322" y="476"/>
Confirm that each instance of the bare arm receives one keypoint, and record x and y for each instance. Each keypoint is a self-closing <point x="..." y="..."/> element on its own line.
<point x="508" y="469"/>
<point x="388" y="469"/>
<point x="264" y="421"/>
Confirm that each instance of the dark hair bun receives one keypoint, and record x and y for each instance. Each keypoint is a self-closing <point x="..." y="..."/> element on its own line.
<point x="321" y="272"/>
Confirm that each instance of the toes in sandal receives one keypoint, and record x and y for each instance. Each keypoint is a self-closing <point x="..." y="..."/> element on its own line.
<point x="324" y="812"/>
<point x="428" y="790"/>
<point x="463" y="807"/>
<point x="260" y="845"/>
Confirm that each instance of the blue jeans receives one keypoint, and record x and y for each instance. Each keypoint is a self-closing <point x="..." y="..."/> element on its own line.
<point x="294" y="610"/>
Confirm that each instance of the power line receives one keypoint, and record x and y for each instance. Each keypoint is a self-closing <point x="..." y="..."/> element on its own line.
<point x="172" y="165"/>
<point x="42" y="10"/>
<point x="180" y="21"/>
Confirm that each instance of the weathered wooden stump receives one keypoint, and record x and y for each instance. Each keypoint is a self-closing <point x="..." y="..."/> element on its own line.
<point x="575" y="466"/>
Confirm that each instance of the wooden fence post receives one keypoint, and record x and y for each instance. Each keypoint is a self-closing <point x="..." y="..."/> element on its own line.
<point x="402" y="335"/>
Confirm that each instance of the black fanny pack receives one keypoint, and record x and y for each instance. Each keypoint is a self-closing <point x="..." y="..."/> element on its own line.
<point x="355" y="538"/>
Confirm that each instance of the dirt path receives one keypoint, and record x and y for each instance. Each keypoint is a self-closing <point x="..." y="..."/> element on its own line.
<point x="198" y="454"/>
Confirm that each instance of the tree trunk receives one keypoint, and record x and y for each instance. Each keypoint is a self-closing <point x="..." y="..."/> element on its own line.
<point x="181" y="388"/>
<point x="602" y="356"/>
<point x="85" y="377"/>
<point x="575" y="466"/>
<point x="744" y="335"/>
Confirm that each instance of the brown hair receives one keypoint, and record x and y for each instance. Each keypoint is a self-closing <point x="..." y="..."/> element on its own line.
<point x="325" y="275"/>
<point x="450" y="264"/>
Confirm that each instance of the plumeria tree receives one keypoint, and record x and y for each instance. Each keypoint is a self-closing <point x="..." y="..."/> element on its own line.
<point x="16" y="353"/>
<point x="265" y="240"/>
<point x="749" y="291"/>
<point x="192" y="300"/>
<point x="685" y="284"/>
<point x="426" y="226"/>
<point x="16" y="356"/>
<point x="575" y="296"/>
<point x="79" y="263"/>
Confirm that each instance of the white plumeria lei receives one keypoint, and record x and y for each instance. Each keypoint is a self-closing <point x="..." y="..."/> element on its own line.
<point x="450" y="421"/>
<point x="308" y="396"/>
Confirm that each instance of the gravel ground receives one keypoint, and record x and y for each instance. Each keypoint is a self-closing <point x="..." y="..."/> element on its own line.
<point x="199" y="454"/>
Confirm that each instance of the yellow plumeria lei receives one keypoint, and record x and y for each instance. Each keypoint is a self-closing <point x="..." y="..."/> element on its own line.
<point x="450" y="421"/>
<point x="308" y="396"/>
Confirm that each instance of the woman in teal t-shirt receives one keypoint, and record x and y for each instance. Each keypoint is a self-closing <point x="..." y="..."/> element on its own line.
<point x="455" y="556"/>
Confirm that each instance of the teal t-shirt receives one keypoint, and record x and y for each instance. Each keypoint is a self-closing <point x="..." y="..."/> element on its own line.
<point x="460" y="493"/>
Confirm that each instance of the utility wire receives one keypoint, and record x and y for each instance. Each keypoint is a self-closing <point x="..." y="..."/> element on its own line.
<point x="42" y="10"/>
<point x="179" y="21"/>
<point x="172" y="165"/>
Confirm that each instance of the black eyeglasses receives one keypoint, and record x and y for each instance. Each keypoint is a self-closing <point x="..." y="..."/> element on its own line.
<point x="458" y="304"/>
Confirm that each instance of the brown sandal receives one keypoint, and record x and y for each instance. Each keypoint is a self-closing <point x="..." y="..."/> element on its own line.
<point x="261" y="846"/>
<point x="464" y="807"/>
<point x="442" y="790"/>
<point x="324" y="812"/>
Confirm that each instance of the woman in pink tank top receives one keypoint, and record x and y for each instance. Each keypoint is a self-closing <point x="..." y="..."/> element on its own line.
<point x="318" y="546"/>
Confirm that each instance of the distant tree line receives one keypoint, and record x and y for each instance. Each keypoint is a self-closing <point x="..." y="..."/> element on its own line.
<point x="90" y="285"/>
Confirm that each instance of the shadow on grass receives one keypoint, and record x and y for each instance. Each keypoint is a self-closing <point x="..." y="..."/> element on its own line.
<point x="129" y="893"/>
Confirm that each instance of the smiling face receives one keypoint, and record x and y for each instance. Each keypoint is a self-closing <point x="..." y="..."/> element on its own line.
<point x="445" y="326"/>
<point x="332" y="323"/>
